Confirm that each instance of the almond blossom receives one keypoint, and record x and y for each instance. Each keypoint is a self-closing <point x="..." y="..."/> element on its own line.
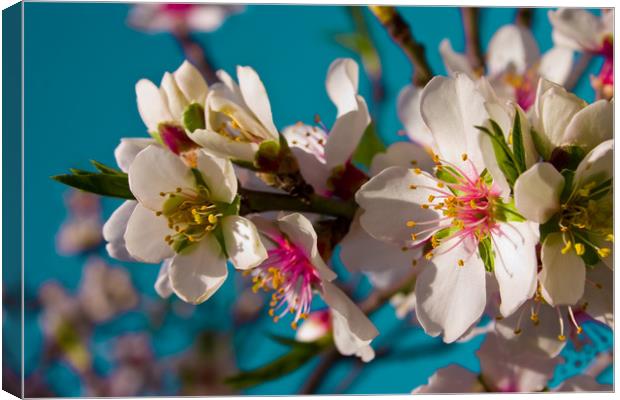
<point x="582" y="222"/>
<point x="170" y="17"/>
<point x="237" y="117"/>
<point x="188" y="215"/>
<point x="320" y="154"/>
<point x="514" y="64"/>
<point x="458" y="213"/>
<point x="295" y="271"/>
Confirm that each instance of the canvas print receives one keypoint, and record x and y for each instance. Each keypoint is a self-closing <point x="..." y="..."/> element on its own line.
<point x="246" y="199"/>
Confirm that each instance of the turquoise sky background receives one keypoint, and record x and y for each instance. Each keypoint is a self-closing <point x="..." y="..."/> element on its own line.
<point x="81" y="64"/>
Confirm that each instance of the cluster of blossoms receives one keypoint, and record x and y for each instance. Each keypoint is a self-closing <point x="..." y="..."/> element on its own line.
<point x="500" y="205"/>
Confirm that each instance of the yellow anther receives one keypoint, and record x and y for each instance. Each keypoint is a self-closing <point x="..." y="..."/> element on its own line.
<point x="517" y="331"/>
<point x="563" y="229"/>
<point x="413" y="187"/>
<point x="276" y="319"/>
<point x="158" y="213"/>
<point x="410" y="224"/>
<point x="439" y="167"/>
<point x="461" y="263"/>
<point x="162" y="194"/>
<point x="435" y="158"/>
<point x="425" y="206"/>
<point x="579" y="330"/>
<point x="472" y="203"/>
<point x="464" y="156"/>
<point x="561" y="338"/>
<point x="414" y="263"/>
<point x="609" y="237"/>
<point x="178" y="190"/>
<point x="417" y="171"/>
<point x="212" y="219"/>
<point x="294" y="325"/>
<point x="580" y="249"/>
<point x="603" y="252"/>
<point x="428" y="255"/>
<point x="567" y="246"/>
<point x="431" y="198"/>
<point x="440" y="185"/>
<point x="414" y="236"/>
<point x="414" y="162"/>
<point x="534" y="317"/>
<point x="271" y="312"/>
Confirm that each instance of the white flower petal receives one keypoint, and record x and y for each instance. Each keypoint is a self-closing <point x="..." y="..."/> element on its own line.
<point x="402" y="154"/>
<point x="455" y="62"/>
<point x="300" y="232"/>
<point x="410" y="116"/>
<point x="599" y="294"/>
<point x="128" y="149"/>
<point x="151" y="106"/>
<point x="512" y="46"/>
<point x="114" y="231"/>
<point x="313" y="169"/>
<point x="341" y="84"/>
<point x="162" y="284"/>
<point x="175" y="98"/>
<point x="389" y="202"/>
<point x="556" y="64"/>
<point x="346" y="134"/>
<point x="451" y="379"/>
<point x="555" y="109"/>
<point x="145" y="235"/>
<point x="385" y="263"/>
<point x="591" y="126"/>
<point x="354" y="324"/>
<point x="156" y="170"/>
<point x="537" y="192"/>
<point x="451" y="298"/>
<point x="191" y="83"/>
<point x="224" y="146"/>
<point x="197" y="274"/>
<point x="243" y="243"/>
<point x="533" y="336"/>
<point x="219" y="175"/>
<point x="507" y="366"/>
<point x="451" y="108"/>
<point x="597" y="165"/>
<point x="516" y="264"/>
<point x="563" y="276"/>
<point x="255" y="96"/>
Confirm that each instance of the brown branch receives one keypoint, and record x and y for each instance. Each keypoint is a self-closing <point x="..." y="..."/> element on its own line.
<point x="371" y="304"/>
<point x="524" y="17"/>
<point x="195" y="53"/>
<point x="401" y="34"/>
<point x="473" y="50"/>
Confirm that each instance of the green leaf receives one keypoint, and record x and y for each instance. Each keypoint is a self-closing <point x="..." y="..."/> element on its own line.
<point x="518" y="148"/>
<point x="194" y="117"/>
<point x="281" y="366"/>
<point x="485" y="248"/>
<point x="106" y="169"/>
<point x="112" y="185"/>
<point x="369" y="146"/>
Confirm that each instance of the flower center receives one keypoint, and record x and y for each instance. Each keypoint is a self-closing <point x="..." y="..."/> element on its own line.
<point x="586" y="218"/>
<point x="191" y="215"/>
<point x="467" y="204"/>
<point x="292" y="278"/>
<point x="524" y="86"/>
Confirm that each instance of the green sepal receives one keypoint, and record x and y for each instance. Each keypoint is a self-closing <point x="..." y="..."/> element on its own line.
<point x="111" y="185"/>
<point x="183" y="245"/>
<point x="503" y="154"/>
<point x="507" y="212"/>
<point x="369" y="146"/>
<point x="268" y="155"/>
<point x="194" y="117"/>
<point x="485" y="249"/>
<point x="518" y="149"/>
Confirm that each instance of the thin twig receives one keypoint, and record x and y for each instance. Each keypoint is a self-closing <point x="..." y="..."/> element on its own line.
<point x="371" y="304"/>
<point x="401" y="34"/>
<point x="524" y="17"/>
<point x="195" y="53"/>
<point x="473" y="50"/>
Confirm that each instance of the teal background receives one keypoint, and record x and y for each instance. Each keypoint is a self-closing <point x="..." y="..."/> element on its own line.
<point x="81" y="64"/>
